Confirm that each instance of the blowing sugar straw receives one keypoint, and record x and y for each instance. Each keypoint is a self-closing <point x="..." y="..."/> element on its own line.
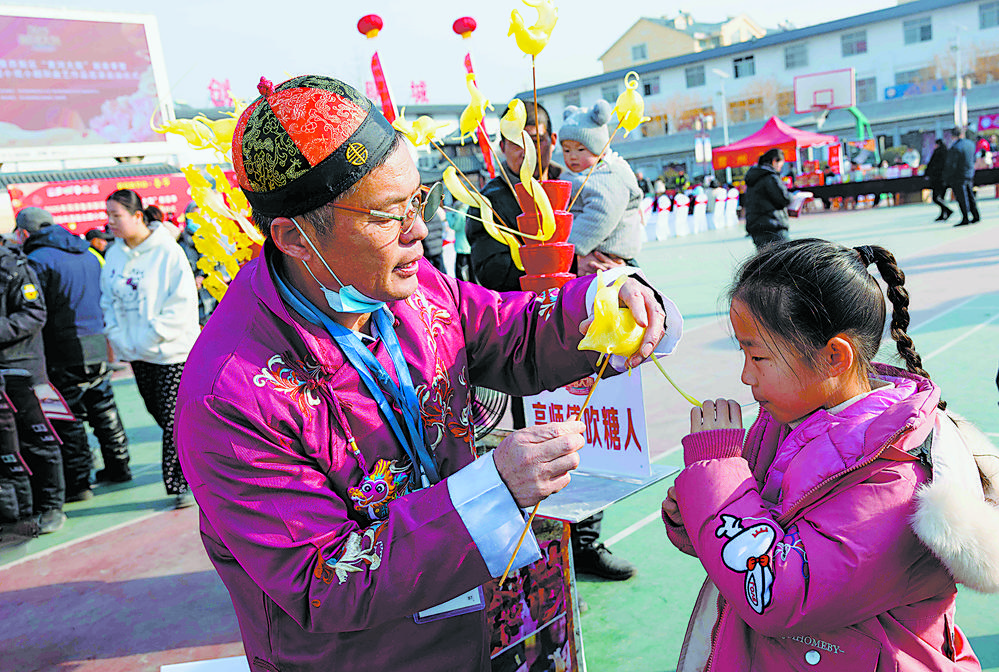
<point x="530" y="518"/>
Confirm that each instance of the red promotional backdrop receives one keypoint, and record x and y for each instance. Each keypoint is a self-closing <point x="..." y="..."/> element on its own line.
<point x="79" y="205"/>
<point x="70" y="82"/>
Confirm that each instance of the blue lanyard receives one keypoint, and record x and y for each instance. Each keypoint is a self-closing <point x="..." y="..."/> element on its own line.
<point x="375" y="377"/>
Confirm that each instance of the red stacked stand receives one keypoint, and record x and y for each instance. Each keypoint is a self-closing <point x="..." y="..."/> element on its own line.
<point x="546" y="263"/>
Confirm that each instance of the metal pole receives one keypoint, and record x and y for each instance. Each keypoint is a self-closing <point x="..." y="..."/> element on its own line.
<point x="728" y="169"/>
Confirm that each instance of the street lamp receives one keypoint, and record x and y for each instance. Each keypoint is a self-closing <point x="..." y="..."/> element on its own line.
<point x="724" y="76"/>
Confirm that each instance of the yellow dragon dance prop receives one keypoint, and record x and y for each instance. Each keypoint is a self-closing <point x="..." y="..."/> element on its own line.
<point x="226" y="238"/>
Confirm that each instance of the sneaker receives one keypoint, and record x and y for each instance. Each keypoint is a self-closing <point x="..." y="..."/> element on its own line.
<point x="599" y="561"/>
<point x="80" y="495"/>
<point x="183" y="500"/>
<point x="113" y="475"/>
<point x="51" y="521"/>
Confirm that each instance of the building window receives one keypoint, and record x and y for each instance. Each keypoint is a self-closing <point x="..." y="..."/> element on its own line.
<point x="750" y="109"/>
<point x="795" y="56"/>
<point x="867" y="90"/>
<point x="571" y="98"/>
<point x="854" y="43"/>
<point x="744" y="67"/>
<point x="785" y="103"/>
<point x="913" y="76"/>
<point x="639" y="52"/>
<point x="988" y="15"/>
<point x="917" y="30"/>
<point x="609" y="93"/>
<point x="650" y="86"/>
<point x="695" y="76"/>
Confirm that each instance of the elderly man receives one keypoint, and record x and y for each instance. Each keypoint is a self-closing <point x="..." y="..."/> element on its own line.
<point x="323" y="417"/>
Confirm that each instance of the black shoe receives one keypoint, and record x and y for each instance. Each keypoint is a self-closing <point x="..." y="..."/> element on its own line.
<point x="113" y="475"/>
<point x="963" y="222"/>
<point x="17" y="533"/>
<point x="940" y="218"/>
<point x="599" y="561"/>
<point x="51" y="521"/>
<point x="976" y="220"/>
<point x="80" y="495"/>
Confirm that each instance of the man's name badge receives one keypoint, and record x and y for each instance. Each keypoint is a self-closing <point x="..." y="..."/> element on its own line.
<point x="473" y="600"/>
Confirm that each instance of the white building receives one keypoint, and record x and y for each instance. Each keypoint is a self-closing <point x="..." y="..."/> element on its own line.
<point x="905" y="61"/>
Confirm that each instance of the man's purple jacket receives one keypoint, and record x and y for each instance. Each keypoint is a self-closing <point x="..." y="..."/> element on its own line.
<point x="329" y="552"/>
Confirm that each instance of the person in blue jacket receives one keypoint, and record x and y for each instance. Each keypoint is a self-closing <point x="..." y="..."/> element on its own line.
<point x="76" y="350"/>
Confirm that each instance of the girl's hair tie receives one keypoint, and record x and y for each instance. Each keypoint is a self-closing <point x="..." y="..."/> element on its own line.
<point x="866" y="255"/>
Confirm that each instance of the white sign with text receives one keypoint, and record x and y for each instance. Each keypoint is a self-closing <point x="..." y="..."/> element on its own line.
<point x="616" y="440"/>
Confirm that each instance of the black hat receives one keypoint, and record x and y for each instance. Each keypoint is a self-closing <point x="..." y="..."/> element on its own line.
<point x="306" y="141"/>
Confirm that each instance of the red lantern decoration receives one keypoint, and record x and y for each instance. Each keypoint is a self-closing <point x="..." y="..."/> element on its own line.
<point x="464" y="26"/>
<point x="369" y="25"/>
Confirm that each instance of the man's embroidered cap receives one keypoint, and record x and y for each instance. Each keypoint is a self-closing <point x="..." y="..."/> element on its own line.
<point x="303" y="143"/>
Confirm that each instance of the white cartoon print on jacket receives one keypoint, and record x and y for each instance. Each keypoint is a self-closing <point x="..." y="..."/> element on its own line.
<point x="747" y="551"/>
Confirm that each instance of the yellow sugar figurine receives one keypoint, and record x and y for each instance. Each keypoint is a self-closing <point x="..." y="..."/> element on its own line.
<point x="613" y="330"/>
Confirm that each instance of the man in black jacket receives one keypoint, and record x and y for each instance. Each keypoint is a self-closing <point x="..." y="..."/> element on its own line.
<point x="22" y="367"/>
<point x="935" y="174"/>
<point x="766" y="201"/>
<point x="76" y="349"/>
<point x="960" y="175"/>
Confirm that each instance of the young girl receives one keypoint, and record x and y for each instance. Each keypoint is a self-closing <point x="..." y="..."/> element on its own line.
<point x="834" y="537"/>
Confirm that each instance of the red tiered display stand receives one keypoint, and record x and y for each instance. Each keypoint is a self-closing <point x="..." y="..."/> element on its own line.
<point x="546" y="263"/>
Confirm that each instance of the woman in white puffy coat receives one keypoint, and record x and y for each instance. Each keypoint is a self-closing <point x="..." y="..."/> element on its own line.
<point x="150" y="305"/>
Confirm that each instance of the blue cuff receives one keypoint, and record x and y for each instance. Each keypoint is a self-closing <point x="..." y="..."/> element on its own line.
<point x="491" y="516"/>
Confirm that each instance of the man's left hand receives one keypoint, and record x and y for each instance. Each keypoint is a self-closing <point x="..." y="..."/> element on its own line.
<point x="648" y="314"/>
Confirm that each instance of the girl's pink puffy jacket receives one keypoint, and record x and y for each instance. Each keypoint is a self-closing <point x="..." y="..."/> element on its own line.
<point x="880" y="512"/>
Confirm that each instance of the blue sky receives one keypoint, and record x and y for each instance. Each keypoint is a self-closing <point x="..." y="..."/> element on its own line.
<point x="222" y="39"/>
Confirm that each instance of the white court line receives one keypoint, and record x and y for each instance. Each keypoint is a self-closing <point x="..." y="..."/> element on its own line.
<point x="72" y="542"/>
<point x="960" y="338"/>
<point x="634" y="527"/>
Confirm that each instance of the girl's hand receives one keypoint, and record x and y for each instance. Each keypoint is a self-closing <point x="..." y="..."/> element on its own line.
<point x="718" y="414"/>
<point x="671" y="509"/>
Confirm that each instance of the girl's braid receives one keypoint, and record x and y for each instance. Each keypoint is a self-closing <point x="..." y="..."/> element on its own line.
<point x="899" y="297"/>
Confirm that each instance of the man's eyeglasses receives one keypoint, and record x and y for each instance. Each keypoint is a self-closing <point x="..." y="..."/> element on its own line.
<point x="426" y="201"/>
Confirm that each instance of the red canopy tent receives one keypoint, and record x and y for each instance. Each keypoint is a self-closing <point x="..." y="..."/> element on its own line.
<point x="774" y="134"/>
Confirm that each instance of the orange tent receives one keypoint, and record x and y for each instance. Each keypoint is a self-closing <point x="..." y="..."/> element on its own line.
<point x="774" y="134"/>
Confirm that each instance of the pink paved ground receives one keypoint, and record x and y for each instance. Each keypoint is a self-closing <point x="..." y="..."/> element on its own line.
<point x="134" y="598"/>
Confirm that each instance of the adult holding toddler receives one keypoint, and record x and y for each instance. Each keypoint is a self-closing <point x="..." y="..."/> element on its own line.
<point x="606" y="203"/>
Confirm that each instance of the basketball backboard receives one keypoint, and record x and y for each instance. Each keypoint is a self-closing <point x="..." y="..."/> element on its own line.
<point x="831" y="90"/>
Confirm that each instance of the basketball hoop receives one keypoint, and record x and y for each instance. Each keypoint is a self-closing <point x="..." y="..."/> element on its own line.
<point x="820" y="112"/>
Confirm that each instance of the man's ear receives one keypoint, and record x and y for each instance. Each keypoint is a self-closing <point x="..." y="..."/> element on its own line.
<point x="289" y="239"/>
<point x="839" y="355"/>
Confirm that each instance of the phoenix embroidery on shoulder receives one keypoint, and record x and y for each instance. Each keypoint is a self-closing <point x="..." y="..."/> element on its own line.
<point x="385" y="483"/>
<point x="546" y="302"/>
<point x="359" y="550"/>
<point x="747" y="551"/>
<point x="434" y="318"/>
<point x="437" y="395"/>
<point x="297" y="380"/>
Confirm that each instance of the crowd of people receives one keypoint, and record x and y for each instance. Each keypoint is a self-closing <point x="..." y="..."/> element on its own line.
<point x="319" y="418"/>
<point x="76" y="309"/>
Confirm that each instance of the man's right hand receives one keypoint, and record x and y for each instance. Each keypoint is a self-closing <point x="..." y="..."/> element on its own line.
<point x="535" y="462"/>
